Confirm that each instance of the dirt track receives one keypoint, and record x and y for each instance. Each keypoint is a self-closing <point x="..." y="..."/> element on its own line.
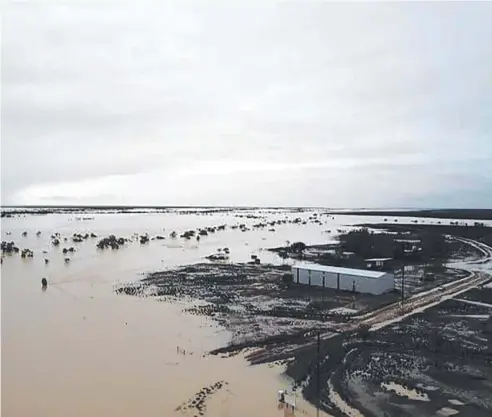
<point x="266" y="312"/>
<point x="418" y="303"/>
<point x="421" y="348"/>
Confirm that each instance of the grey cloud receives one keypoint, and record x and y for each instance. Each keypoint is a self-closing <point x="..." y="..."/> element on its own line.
<point x="400" y="93"/>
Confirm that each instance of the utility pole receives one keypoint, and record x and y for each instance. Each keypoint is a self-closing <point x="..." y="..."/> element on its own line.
<point x="402" y="283"/>
<point x="317" y="377"/>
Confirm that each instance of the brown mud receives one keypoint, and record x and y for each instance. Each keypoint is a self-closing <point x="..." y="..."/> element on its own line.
<point x="263" y="309"/>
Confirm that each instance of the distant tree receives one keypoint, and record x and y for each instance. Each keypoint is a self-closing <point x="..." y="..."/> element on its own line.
<point x="368" y="244"/>
<point x="283" y="255"/>
<point x="330" y="259"/>
<point x="298" y="247"/>
<point x="434" y="245"/>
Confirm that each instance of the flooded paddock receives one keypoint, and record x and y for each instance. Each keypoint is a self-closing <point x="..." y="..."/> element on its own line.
<point x="75" y="347"/>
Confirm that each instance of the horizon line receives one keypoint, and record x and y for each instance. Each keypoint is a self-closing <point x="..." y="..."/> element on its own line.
<point x="242" y="207"/>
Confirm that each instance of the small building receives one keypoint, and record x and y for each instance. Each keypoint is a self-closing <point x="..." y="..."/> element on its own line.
<point x="346" y="279"/>
<point x="377" y="263"/>
<point x="410" y="245"/>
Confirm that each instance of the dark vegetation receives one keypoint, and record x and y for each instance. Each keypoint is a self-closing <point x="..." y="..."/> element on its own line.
<point x="27" y="253"/>
<point x="402" y="244"/>
<point x="475" y="214"/>
<point x="77" y="237"/>
<point x="428" y="245"/>
<point x="111" y="242"/>
<point x="185" y="210"/>
<point x="9" y="247"/>
<point x="298" y="247"/>
<point x="477" y="232"/>
<point x="188" y="234"/>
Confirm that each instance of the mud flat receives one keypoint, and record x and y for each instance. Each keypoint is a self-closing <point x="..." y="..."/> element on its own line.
<point x="121" y="352"/>
<point x="421" y="365"/>
<point x="258" y="304"/>
<point x="361" y="372"/>
<point x="406" y="368"/>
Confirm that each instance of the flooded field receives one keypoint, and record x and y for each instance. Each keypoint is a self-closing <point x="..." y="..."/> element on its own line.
<point x="79" y="348"/>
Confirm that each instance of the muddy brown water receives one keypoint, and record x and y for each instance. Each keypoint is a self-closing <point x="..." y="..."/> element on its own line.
<point x="79" y="349"/>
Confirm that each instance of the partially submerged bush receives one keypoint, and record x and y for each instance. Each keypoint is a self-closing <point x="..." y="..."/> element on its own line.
<point x="111" y="242"/>
<point x="188" y="234"/>
<point x="9" y="247"/>
<point x="27" y="253"/>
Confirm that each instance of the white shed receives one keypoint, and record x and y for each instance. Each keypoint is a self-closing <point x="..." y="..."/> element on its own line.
<point x="347" y="279"/>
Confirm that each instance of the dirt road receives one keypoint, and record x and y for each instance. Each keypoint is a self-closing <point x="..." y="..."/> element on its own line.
<point x="392" y="313"/>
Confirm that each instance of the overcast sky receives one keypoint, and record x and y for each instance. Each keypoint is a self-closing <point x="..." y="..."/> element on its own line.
<point x="269" y="103"/>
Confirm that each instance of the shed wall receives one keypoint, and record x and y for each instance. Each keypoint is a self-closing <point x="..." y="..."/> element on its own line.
<point x="344" y="282"/>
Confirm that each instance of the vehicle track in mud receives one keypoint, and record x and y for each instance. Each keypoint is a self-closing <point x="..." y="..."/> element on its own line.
<point x="367" y="335"/>
<point x="392" y="313"/>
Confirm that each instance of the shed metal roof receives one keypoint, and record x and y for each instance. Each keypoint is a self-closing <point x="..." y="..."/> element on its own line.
<point x="378" y="259"/>
<point x="340" y="270"/>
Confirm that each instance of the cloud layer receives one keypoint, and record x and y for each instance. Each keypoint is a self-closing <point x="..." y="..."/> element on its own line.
<point x="292" y="103"/>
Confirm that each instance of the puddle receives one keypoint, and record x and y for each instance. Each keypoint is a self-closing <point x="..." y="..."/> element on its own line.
<point x="341" y="404"/>
<point x="343" y="311"/>
<point x="446" y="411"/>
<point x="405" y="392"/>
<point x="427" y="387"/>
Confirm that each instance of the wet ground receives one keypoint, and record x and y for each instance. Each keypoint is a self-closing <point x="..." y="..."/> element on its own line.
<point x="438" y="359"/>
<point x="254" y="302"/>
<point x="79" y="348"/>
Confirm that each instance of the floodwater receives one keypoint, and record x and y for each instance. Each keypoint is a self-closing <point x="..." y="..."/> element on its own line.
<point x="402" y="391"/>
<point x="79" y="349"/>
